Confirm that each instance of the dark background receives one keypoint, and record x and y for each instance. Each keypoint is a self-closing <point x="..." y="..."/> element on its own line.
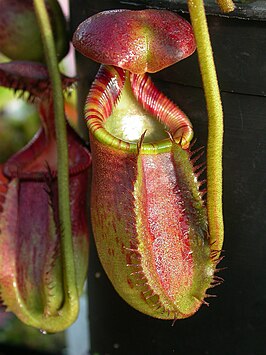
<point x="235" y="322"/>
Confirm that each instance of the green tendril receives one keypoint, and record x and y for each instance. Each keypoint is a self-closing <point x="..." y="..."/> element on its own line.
<point x="215" y="122"/>
<point x="226" y="5"/>
<point x="71" y="296"/>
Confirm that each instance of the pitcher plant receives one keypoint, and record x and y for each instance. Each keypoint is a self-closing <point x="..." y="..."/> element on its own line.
<point x="32" y="266"/>
<point x="149" y="219"/>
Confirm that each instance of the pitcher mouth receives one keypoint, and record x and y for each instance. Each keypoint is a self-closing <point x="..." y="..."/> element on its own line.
<point x="127" y="112"/>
